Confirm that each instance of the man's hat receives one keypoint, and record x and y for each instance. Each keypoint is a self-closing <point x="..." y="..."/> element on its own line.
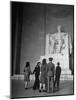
<point x="50" y="59"/>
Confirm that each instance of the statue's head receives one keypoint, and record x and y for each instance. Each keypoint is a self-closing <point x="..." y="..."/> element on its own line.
<point x="59" y="28"/>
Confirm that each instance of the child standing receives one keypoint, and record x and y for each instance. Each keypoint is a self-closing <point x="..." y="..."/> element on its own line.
<point x="57" y="75"/>
<point x="37" y="73"/>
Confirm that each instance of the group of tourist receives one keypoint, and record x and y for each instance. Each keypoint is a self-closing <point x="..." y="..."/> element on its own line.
<point x="46" y="76"/>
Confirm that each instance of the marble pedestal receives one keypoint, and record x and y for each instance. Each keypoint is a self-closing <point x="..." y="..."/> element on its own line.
<point x="64" y="63"/>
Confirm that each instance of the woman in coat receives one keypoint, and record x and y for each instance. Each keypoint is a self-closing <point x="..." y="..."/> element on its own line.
<point x="27" y="74"/>
<point x="43" y="75"/>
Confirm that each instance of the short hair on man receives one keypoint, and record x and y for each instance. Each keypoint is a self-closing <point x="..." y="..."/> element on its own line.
<point x="50" y="59"/>
<point x="58" y="63"/>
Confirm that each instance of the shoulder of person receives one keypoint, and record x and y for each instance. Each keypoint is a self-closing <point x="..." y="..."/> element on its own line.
<point x="53" y="64"/>
<point x="57" y="67"/>
<point x="60" y="67"/>
<point x="48" y="64"/>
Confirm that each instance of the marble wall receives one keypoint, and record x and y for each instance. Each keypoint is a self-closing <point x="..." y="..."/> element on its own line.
<point x="33" y="29"/>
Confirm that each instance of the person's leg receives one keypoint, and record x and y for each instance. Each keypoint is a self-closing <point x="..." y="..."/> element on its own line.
<point x="34" y="86"/>
<point x="25" y="84"/>
<point x="37" y="83"/>
<point x="48" y="84"/>
<point x="44" y="87"/>
<point x="58" y="84"/>
<point x="55" y="82"/>
<point x="52" y="84"/>
<point x="40" y="87"/>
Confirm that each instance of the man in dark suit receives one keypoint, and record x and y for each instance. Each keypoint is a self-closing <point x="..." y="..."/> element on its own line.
<point x="50" y="75"/>
<point x="57" y="75"/>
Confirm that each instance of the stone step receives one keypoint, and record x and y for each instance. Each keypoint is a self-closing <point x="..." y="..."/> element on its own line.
<point x="21" y="77"/>
<point x="32" y="77"/>
<point x="66" y="77"/>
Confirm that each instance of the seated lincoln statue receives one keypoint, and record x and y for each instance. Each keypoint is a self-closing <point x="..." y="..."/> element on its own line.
<point x="57" y="42"/>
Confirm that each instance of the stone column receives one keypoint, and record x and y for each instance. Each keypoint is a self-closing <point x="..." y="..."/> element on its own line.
<point x="17" y="11"/>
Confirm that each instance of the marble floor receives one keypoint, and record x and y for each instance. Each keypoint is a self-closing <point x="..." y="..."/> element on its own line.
<point x="18" y="91"/>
